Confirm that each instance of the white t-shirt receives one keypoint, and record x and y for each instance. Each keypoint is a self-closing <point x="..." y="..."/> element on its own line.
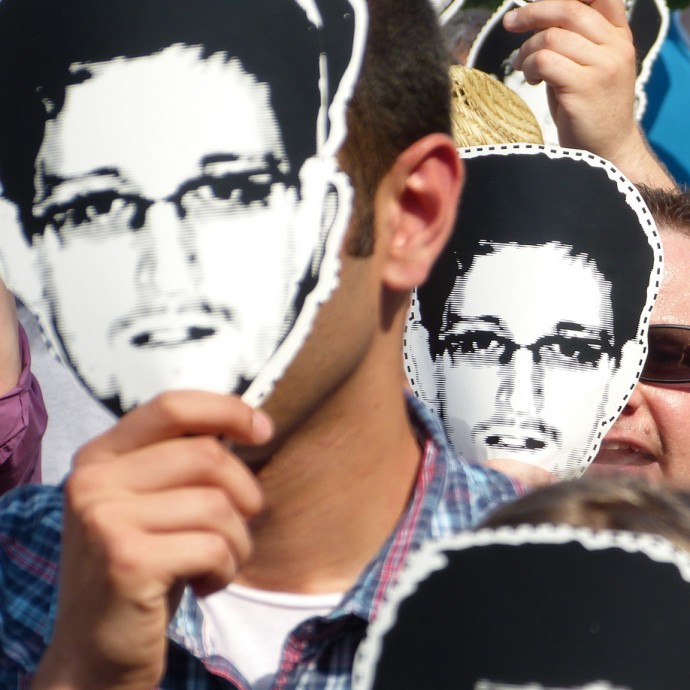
<point x="249" y="626"/>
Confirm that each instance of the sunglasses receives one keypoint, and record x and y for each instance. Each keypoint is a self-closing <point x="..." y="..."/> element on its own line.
<point x="668" y="355"/>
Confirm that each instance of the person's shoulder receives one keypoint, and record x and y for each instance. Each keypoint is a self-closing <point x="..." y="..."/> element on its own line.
<point x="466" y="492"/>
<point x="30" y="522"/>
<point x="470" y="492"/>
<point x="30" y="527"/>
<point x="486" y="487"/>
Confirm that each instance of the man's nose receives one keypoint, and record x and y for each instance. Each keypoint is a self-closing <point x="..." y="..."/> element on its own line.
<point x="521" y="385"/>
<point x="636" y="400"/>
<point x="167" y="260"/>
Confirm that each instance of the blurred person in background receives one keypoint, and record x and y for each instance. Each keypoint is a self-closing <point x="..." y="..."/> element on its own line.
<point x="651" y="437"/>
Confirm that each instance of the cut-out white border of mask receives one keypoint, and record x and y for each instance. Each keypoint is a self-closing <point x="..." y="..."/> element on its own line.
<point x="421" y="370"/>
<point x="431" y="558"/>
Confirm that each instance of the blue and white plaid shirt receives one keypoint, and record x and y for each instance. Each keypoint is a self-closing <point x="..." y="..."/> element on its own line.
<point x="450" y="496"/>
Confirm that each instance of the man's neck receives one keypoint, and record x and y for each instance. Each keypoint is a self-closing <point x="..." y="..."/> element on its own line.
<point x="336" y="489"/>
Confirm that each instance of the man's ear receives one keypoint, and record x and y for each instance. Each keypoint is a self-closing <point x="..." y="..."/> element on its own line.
<point x="415" y="210"/>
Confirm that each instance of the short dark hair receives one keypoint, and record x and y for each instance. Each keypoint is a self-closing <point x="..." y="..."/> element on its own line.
<point x="41" y="39"/>
<point x="670" y="208"/>
<point x="402" y="95"/>
<point x="508" y="198"/>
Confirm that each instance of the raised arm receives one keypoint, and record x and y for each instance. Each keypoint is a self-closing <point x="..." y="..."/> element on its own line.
<point x="583" y="51"/>
<point x="154" y="503"/>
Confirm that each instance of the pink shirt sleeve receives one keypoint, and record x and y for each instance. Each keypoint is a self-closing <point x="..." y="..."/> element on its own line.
<point x="23" y="420"/>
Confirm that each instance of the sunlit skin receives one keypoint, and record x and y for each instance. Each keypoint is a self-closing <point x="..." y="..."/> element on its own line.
<point x="652" y="435"/>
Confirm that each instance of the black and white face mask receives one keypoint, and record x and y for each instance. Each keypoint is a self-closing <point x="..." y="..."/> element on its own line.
<point x="533" y="608"/>
<point x="187" y="209"/>
<point x="528" y="336"/>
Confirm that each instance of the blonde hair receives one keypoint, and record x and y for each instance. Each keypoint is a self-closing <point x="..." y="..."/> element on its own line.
<point x="485" y="111"/>
<point x="617" y="502"/>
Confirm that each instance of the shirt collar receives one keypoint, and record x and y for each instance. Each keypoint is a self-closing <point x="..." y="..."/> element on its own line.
<point x="365" y="597"/>
<point x="415" y="525"/>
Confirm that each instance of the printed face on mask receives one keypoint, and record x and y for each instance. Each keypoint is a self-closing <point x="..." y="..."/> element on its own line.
<point x="506" y="383"/>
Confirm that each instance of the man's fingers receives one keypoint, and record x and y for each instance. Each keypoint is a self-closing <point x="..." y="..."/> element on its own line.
<point x="170" y="464"/>
<point x="145" y="544"/>
<point x="567" y="59"/>
<point x="149" y="565"/>
<point x="572" y="15"/>
<point x="612" y="10"/>
<point x="567" y="44"/>
<point x="178" y="510"/>
<point x="184" y="413"/>
<point x="552" y="68"/>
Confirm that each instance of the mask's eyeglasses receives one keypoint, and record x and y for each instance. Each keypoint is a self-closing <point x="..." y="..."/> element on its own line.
<point x="668" y="355"/>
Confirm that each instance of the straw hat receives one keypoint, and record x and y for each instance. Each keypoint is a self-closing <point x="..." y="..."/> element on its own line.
<point x="485" y="111"/>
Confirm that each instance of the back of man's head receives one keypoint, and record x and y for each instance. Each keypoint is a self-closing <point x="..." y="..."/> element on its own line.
<point x="403" y="94"/>
<point x="670" y="208"/>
